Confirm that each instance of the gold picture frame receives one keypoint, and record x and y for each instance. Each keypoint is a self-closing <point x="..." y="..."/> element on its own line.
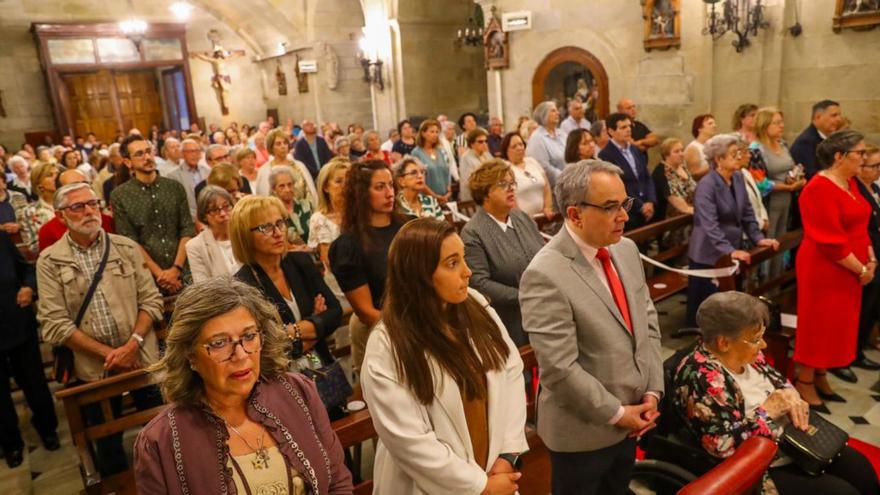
<point x="856" y="14"/>
<point x="662" y="24"/>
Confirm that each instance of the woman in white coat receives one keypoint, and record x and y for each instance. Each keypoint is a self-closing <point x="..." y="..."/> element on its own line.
<point x="441" y="377"/>
<point x="210" y="253"/>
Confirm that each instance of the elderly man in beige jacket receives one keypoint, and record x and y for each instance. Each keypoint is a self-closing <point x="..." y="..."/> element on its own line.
<point x="115" y="334"/>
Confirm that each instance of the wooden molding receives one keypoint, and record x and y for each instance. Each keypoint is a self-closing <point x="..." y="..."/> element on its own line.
<point x="577" y="55"/>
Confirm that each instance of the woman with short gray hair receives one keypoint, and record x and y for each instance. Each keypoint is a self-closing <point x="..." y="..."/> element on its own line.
<point x="210" y="253"/>
<point x="722" y="215"/>
<point x="547" y="143"/>
<point x="342" y="147"/>
<point x="727" y="392"/>
<point x="238" y="421"/>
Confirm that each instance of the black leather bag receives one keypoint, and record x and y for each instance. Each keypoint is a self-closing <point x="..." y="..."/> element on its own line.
<point x="62" y="365"/>
<point x="330" y="380"/>
<point x="813" y="450"/>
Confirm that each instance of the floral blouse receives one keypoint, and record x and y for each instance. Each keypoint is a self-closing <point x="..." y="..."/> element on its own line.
<point x="430" y="207"/>
<point x="32" y="218"/>
<point x="713" y="405"/>
<point x="684" y="188"/>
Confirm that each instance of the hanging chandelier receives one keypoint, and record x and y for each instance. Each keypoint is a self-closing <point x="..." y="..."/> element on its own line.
<point x="741" y="17"/>
<point x="472" y="33"/>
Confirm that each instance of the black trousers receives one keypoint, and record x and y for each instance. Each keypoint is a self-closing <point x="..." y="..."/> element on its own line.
<point x="109" y="454"/>
<point x="24" y="363"/>
<point x="605" y="471"/>
<point x="849" y="474"/>
<point x="869" y="315"/>
<point x="699" y="289"/>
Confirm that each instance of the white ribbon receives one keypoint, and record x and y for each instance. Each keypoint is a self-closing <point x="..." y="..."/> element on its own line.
<point x="698" y="273"/>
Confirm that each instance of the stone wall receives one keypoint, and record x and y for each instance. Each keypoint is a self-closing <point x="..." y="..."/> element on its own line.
<point x="702" y="76"/>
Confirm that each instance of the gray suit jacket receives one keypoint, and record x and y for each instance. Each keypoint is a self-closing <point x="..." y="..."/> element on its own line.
<point x="590" y="364"/>
<point x="180" y="176"/>
<point x="498" y="259"/>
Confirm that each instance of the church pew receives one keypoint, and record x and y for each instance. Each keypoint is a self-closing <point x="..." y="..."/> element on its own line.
<point x="663" y="284"/>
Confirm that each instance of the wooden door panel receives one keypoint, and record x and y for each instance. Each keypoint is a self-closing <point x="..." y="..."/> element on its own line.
<point x="139" y="99"/>
<point x="91" y="102"/>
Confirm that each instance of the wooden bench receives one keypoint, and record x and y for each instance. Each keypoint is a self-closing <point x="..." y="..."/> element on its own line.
<point x="778" y="342"/>
<point x="663" y="284"/>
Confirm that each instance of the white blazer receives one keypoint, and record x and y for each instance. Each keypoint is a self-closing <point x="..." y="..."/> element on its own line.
<point x="206" y="260"/>
<point x="427" y="449"/>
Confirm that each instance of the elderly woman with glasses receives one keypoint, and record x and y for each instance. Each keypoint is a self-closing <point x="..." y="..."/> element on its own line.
<point x="533" y="194"/>
<point x="728" y="393"/>
<point x="238" y="421"/>
<point x="288" y="186"/>
<point x="409" y="174"/>
<point x="722" y="215"/>
<point x="478" y="152"/>
<point x="290" y="280"/>
<point x="834" y="262"/>
<point x="499" y="242"/>
<point x="210" y="253"/>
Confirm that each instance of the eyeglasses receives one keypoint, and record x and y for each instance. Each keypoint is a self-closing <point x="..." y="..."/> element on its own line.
<point x="222" y="349"/>
<point x="736" y="154"/>
<point x="271" y="228"/>
<point x="863" y="153"/>
<point x="481" y="141"/>
<point x="509" y="185"/>
<point x="613" y="208"/>
<point x="227" y="208"/>
<point x="757" y="339"/>
<point x="94" y="204"/>
<point x="219" y="158"/>
<point x="414" y="173"/>
<point x="530" y="176"/>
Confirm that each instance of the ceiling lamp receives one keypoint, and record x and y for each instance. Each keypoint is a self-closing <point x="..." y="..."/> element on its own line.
<point x="181" y="10"/>
<point x="741" y="17"/>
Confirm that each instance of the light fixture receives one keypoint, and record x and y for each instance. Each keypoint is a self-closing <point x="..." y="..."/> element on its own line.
<point x="368" y="56"/>
<point x="133" y="27"/>
<point x="740" y="17"/>
<point x="181" y="10"/>
<point x="472" y="33"/>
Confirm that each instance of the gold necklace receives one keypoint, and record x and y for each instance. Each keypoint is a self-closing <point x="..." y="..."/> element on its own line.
<point x="262" y="454"/>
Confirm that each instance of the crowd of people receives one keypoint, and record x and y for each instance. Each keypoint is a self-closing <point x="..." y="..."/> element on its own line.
<point x="265" y="236"/>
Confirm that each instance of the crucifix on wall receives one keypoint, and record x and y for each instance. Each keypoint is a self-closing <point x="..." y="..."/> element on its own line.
<point x="217" y="57"/>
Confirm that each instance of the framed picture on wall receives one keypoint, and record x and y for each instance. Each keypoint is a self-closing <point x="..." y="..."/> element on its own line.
<point x="662" y="24"/>
<point x="495" y="44"/>
<point x="856" y="14"/>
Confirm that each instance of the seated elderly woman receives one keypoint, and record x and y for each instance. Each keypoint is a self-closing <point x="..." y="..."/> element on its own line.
<point x="477" y="153"/>
<point x="284" y="186"/>
<point x="409" y="174"/>
<point x="238" y="421"/>
<point x="210" y="253"/>
<point x="722" y="215"/>
<point x="727" y="393"/>
<point x="499" y="242"/>
<point x="342" y="147"/>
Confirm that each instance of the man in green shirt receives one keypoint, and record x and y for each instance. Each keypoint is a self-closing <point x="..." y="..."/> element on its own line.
<point x="153" y="211"/>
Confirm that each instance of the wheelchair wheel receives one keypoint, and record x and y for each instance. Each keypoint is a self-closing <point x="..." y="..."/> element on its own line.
<point x="658" y="477"/>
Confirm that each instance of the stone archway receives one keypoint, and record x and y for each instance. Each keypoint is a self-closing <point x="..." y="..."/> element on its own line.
<point x="564" y="65"/>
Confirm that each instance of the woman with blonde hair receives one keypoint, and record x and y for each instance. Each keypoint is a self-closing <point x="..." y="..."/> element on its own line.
<point x="325" y="222"/>
<point x="239" y="422"/>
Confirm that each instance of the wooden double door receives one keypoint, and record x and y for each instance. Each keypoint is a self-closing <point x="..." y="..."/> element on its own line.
<point x="107" y="102"/>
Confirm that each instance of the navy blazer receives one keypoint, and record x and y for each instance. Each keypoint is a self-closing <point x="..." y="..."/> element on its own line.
<point x="303" y="153"/>
<point x="305" y="282"/>
<point x="19" y="323"/>
<point x="720" y="219"/>
<point x="874" y="221"/>
<point x="641" y="188"/>
<point x="803" y="150"/>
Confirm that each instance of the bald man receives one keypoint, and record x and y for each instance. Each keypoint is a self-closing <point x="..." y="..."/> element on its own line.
<point x="642" y="137"/>
<point x="53" y="230"/>
<point x="575" y="119"/>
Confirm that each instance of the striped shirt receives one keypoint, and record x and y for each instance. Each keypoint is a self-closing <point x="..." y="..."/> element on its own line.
<point x="103" y="327"/>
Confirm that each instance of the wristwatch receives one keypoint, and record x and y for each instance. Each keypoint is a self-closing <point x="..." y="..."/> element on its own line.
<point x="514" y="459"/>
<point x="138" y="339"/>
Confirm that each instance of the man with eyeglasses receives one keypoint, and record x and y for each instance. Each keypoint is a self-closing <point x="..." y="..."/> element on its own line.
<point x="191" y="172"/>
<point x="53" y="230"/>
<point x="595" y="333"/>
<point x="154" y="212"/>
<point x="115" y="332"/>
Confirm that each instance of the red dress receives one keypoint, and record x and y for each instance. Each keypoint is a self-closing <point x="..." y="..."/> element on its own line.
<point x="828" y="295"/>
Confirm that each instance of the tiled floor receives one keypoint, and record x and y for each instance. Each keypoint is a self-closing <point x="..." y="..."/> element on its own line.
<point x="57" y="473"/>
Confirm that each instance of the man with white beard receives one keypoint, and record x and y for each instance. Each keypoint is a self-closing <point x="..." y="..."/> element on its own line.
<point x="114" y="332"/>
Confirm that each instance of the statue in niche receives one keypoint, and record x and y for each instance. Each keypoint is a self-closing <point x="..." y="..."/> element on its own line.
<point x="495" y="44"/>
<point x="217" y="57"/>
<point x="856" y="14"/>
<point x="662" y="23"/>
<point x="302" y="79"/>
<point x="332" y="62"/>
<point x="281" y="78"/>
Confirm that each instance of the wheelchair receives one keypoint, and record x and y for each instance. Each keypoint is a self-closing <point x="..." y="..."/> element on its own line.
<point x="673" y="455"/>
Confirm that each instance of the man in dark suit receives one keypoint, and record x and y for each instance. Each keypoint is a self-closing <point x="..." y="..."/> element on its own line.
<point x="312" y="149"/>
<point x="826" y="120"/>
<point x="639" y="184"/>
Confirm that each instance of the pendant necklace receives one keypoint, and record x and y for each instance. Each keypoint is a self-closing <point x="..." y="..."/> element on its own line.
<point x="262" y="459"/>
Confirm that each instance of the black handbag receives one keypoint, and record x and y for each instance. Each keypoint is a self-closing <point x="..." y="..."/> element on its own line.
<point x="62" y="365"/>
<point x="813" y="450"/>
<point x="330" y="380"/>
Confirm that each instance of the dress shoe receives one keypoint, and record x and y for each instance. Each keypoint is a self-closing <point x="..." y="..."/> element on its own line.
<point x="51" y="442"/>
<point x="831" y="397"/>
<point x="820" y="408"/>
<point x="14" y="458"/>
<point x="867" y="363"/>
<point x="846" y="374"/>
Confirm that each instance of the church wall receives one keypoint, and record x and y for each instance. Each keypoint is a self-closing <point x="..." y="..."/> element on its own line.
<point x="703" y="76"/>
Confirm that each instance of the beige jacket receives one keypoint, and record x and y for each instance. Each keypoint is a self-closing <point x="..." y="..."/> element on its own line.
<point x="127" y="285"/>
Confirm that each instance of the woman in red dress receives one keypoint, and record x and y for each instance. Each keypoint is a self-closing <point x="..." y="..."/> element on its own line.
<point x="834" y="262"/>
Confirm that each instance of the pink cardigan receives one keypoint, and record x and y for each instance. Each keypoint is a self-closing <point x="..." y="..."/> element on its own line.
<point x="183" y="450"/>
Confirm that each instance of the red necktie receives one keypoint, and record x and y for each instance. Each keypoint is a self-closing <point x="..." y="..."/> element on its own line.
<point x="615" y="285"/>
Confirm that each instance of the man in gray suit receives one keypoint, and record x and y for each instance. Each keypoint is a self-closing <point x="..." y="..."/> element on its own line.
<point x="591" y="322"/>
